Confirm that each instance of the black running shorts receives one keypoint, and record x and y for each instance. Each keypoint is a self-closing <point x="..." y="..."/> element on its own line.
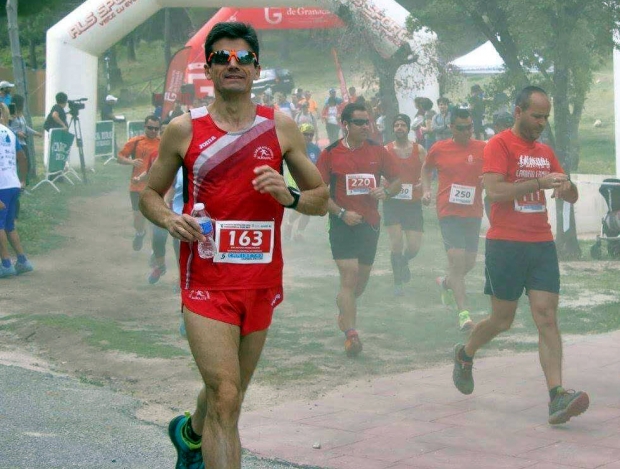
<point x="353" y="242"/>
<point x="512" y="266"/>
<point x="406" y="214"/>
<point x="460" y="233"/>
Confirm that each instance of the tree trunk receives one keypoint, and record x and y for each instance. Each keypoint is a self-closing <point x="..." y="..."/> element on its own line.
<point x="167" y="52"/>
<point x="567" y="243"/>
<point x="20" y="75"/>
<point x="131" y="47"/>
<point x="386" y="70"/>
<point x="32" y="52"/>
<point x="116" y="77"/>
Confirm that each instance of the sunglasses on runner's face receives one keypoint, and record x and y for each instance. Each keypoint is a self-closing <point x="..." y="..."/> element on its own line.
<point x="308" y="135"/>
<point x="223" y="57"/>
<point x="462" y="128"/>
<point x="360" y="122"/>
<point x="151" y="127"/>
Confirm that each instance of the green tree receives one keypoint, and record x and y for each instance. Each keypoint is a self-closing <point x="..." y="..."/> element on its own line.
<point x="562" y="41"/>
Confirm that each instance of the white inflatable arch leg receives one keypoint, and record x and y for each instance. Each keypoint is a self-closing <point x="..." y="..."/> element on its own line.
<point x="75" y="43"/>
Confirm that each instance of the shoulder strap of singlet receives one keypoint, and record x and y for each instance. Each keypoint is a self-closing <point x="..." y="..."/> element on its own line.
<point x="198" y="112"/>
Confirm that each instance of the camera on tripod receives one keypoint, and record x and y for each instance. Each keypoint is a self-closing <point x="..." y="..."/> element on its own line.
<point x="76" y="105"/>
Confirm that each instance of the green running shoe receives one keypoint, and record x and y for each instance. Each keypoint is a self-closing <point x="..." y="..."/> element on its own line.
<point x="462" y="373"/>
<point x="465" y="322"/>
<point x="567" y="404"/>
<point x="447" y="296"/>
<point x="189" y="456"/>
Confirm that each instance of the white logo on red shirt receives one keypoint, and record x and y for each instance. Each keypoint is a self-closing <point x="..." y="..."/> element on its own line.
<point x="205" y="144"/>
<point x="470" y="159"/>
<point x="263" y="153"/>
<point x="526" y="161"/>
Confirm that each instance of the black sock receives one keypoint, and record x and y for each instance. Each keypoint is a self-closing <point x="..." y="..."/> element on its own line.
<point x="465" y="357"/>
<point x="554" y="392"/>
<point x="189" y="434"/>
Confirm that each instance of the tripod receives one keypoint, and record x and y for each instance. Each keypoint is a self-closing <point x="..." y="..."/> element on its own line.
<point x="77" y="131"/>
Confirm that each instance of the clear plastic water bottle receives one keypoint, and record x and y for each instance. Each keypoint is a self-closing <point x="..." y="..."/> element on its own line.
<point x="206" y="249"/>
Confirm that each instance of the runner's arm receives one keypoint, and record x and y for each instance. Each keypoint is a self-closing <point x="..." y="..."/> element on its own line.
<point x="498" y="190"/>
<point x="314" y="195"/>
<point x="173" y="145"/>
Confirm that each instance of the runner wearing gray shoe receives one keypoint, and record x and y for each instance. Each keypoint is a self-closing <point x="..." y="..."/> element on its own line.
<point x="520" y="251"/>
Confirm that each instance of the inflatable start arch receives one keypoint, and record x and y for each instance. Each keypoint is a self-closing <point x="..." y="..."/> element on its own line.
<point x="75" y="43"/>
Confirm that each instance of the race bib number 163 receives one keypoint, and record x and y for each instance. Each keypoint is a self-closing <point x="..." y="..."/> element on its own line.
<point x="244" y="242"/>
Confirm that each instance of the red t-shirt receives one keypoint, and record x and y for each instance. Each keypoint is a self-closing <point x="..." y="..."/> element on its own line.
<point x="141" y="148"/>
<point x="459" y="169"/>
<point x="220" y="169"/>
<point x="350" y="175"/>
<point x="409" y="174"/>
<point x="519" y="160"/>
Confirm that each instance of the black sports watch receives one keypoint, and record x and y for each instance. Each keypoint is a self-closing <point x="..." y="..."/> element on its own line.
<point x="296" y="195"/>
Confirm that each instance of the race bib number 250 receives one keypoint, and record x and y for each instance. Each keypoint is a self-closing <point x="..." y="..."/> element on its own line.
<point x="244" y="242"/>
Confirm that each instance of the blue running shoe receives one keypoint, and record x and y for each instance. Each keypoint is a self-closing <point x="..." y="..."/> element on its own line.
<point x="156" y="273"/>
<point x="7" y="271"/>
<point x="23" y="267"/>
<point x="188" y="456"/>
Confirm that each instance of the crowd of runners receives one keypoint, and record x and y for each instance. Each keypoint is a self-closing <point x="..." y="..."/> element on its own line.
<point x="230" y="156"/>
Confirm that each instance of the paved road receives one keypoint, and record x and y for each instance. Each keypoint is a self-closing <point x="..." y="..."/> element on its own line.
<point x="51" y="421"/>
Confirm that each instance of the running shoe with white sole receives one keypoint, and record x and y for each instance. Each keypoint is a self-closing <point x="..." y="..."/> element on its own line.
<point x="447" y="296"/>
<point x="462" y="375"/>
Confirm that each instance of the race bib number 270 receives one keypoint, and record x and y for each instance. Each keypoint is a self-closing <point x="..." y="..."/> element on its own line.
<point x="244" y="242"/>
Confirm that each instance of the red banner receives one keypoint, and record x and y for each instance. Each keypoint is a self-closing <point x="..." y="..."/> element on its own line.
<point x="260" y="18"/>
<point x="174" y="79"/>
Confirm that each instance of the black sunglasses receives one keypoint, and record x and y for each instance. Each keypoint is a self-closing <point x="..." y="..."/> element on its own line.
<point x="462" y="128"/>
<point x="308" y="134"/>
<point x="223" y="57"/>
<point x="150" y="127"/>
<point x="360" y="122"/>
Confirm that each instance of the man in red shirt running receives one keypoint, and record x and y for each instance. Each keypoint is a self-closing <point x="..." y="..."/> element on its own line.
<point x="140" y="153"/>
<point x="232" y="153"/>
<point x="520" y="251"/>
<point x="403" y="212"/>
<point x="458" y="162"/>
<point x="352" y="168"/>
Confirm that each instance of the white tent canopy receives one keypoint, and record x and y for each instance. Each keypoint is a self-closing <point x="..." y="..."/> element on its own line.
<point x="483" y="60"/>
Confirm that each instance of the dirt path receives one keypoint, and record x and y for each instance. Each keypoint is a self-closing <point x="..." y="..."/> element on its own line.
<point x="98" y="276"/>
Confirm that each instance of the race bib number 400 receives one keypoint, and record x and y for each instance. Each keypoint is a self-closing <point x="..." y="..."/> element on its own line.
<point x="244" y="242"/>
<point x="406" y="192"/>
<point x="463" y="195"/>
<point x="360" y="184"/>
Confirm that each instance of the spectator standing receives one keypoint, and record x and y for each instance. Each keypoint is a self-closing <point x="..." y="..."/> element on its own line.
<point x="331" y="117"/>
<point x="5" y="92"/>
<point x="20" y="128"/>
<point x="57" y="117"/>
<point x="440" y="124"/>
<point x="476" y="108"/>
<point x="13" y="169"/>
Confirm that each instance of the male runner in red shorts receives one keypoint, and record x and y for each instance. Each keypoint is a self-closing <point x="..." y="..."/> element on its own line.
<point x="232" y="153"/>
<point x="352" y="167"/>
<point x="403" y="212"/>
<point x="459" y="205"/>
<point x="520" y="251"/>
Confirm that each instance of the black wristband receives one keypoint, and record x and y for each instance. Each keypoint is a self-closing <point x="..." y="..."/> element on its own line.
<point x="296" y="195"/>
